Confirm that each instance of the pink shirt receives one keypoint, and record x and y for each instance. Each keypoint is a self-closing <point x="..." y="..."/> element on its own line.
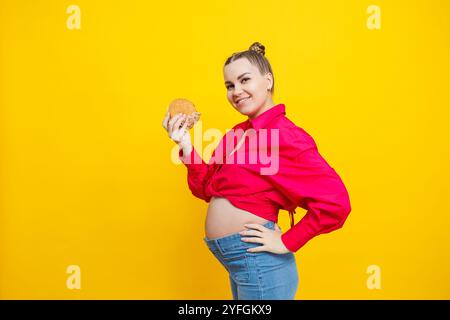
<point x="296" y="175"/>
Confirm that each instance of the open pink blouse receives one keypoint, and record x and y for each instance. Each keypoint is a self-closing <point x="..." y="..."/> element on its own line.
<point x="276" y="166"/>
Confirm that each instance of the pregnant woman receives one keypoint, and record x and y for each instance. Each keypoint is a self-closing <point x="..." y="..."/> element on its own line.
<point x="245" y="195"/>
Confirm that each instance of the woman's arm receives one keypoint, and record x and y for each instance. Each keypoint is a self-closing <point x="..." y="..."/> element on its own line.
<point x="310" y="182"/>
<point x="199" y="172"/>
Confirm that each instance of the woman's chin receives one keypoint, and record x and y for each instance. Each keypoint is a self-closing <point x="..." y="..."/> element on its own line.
<point x="245" y="110"/>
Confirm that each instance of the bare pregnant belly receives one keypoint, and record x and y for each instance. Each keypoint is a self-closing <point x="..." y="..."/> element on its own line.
<point x="224" y="219"/>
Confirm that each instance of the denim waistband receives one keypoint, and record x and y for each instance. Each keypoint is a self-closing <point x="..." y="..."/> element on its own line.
<point x="230" y="241"/>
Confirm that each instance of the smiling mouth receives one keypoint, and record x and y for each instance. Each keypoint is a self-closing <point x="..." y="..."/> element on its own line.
<point x="238" y="102"/>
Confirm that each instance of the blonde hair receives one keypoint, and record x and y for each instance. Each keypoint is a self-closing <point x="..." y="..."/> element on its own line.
<point x="256" y="56"/>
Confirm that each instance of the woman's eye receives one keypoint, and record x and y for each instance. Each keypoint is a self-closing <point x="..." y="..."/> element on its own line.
<point x="228" y="87"/>
<point x="245" y="79"/>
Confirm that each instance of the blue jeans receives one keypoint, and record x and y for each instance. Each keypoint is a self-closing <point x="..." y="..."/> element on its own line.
<point x="255" y="275"/>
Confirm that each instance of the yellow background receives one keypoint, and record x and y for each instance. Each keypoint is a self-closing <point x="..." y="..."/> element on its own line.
<point x="86" y="176"/>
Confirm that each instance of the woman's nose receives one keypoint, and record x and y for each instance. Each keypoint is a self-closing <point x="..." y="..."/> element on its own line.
<point x="237" y="91"/>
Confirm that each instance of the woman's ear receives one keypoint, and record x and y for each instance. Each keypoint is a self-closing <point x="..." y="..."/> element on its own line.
<point x="269" y="81"/>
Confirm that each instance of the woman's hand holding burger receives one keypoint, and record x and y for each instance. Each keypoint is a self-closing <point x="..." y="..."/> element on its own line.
<point x="181" y="116"/>
<point x="178" y="132"/>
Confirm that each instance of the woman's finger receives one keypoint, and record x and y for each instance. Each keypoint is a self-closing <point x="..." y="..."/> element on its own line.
<point x="256" y="226"/>
<point x="166" y="120"/>
<point x="254" y="240"/>
<point x="185" y="124"/>
<point x="172" y="121"/>
<point x="175" y="133"/>
<point x="257" y="249"/>
<point x="256" y="233"/>
<point x="177" y="124"/>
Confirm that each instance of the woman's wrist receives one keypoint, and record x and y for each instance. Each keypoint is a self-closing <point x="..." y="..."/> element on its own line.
<point x="186" y="147"/>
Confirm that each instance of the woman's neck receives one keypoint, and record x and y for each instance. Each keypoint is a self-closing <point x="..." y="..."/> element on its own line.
<point x="267" y="105"/>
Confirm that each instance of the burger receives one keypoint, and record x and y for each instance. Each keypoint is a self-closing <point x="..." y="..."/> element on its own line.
<point x="186" y="107"/>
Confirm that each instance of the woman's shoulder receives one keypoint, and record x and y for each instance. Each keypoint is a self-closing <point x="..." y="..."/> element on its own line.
<point x="290" y="135"/>
<point x="294" y="136"/>
<point x="240" y="125"/>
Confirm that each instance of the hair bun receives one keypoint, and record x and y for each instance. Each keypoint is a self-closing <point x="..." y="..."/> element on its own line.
<point x="258" y="47"/>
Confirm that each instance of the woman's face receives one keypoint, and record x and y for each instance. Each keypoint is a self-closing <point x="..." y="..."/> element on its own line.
<point x="247" y="88"/>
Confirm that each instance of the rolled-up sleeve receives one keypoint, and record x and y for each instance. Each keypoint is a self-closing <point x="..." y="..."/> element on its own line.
<point x="198" y="173"/>
<point x="309" y="182"/>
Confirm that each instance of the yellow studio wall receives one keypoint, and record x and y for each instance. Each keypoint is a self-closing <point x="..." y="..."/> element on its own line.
<point x="86" y="173"/>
